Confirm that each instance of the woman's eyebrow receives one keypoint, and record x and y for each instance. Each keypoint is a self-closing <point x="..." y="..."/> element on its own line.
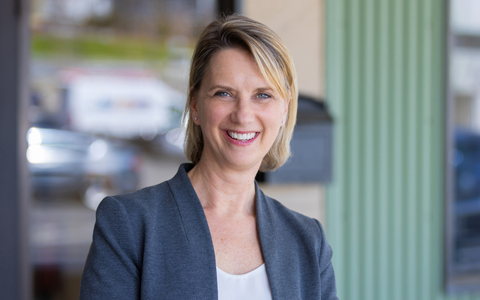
<point x="229" y="88"/>
<point x="265" y="89"/>
<point x="219" y="86"/>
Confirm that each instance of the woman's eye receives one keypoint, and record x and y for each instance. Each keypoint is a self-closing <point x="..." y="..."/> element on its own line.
<point x="263" y="96"/>
<point x="222" y="94"/>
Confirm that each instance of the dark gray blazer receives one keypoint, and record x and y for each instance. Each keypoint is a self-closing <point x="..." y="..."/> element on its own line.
<point x="155" y="244"/>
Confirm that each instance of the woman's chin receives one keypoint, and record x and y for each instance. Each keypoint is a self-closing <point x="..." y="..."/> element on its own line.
<point x="241" y="163"/>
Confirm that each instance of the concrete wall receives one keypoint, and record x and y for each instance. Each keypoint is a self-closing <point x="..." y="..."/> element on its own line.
<point x="300" y="24"/>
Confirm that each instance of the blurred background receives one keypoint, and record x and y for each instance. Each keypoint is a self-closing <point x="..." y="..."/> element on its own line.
<point x="108" y="82"/>
<point x="386" y="152"/>
<point x="107" y="88"/>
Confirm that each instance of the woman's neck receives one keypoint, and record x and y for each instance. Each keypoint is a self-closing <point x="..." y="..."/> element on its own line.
<point x="223" y="191"/>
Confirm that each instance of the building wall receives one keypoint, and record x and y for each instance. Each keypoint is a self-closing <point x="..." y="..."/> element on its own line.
<point x="385" y="83"/>
<point x="300" y="25"/>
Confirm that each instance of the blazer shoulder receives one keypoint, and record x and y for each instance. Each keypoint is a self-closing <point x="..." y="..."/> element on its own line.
<point x="141" y="202"/>
<point x="302" y="229"/>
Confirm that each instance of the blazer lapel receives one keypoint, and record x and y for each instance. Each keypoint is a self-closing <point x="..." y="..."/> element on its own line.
<point x="198" y="236"/>
<point x="202" y="263"/>
<point x="269" y="237"/>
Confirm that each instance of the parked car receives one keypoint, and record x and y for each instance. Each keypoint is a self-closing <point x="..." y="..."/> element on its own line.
<point x="467" y="194"/>
<point x="65" y="163"/>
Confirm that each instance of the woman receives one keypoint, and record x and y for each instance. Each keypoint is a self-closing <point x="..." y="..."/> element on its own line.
<point x="209" y="232"/>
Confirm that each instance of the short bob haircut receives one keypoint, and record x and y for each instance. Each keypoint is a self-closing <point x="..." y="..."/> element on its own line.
<point x="274" y="62"/>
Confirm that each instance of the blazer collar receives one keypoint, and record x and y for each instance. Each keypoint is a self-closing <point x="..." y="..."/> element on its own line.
<point x="196" y="230"/>
<point x="269" y="241"/>
<point x="198" y="235"/>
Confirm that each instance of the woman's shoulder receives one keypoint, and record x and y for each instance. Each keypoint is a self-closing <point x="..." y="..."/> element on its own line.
<point x="290" y="221"/>
<point x="291" y="229"/>
<point x="151" y="199"/>
<point x="146" y="198"/>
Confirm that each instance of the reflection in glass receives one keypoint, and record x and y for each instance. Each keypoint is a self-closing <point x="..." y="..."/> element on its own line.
<point x="465" y="87"/>
<point x="108" y="86"/>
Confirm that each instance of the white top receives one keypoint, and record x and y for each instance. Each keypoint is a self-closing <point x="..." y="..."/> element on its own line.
<point x="252" y="286"/>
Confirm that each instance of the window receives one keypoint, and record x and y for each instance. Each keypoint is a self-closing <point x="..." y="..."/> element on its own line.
<point x="463" y="167"/>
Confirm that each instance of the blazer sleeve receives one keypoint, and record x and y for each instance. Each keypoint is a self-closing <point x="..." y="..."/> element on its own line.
<point x="327" y="275"/>
<point x="112" y="269"/>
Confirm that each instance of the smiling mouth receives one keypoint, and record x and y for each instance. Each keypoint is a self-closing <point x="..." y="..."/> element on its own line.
<point x="243" y="137"/>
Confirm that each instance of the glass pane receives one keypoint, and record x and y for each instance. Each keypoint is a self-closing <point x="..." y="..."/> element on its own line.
<point x="465" y="86"/>
<point x="108" y="86"/>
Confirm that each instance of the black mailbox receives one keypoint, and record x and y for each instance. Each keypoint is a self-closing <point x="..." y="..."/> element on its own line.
<point x="311" y="160"/>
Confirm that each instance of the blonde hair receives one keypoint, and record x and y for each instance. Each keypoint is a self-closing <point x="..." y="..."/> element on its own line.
<point x="274" y="62"/>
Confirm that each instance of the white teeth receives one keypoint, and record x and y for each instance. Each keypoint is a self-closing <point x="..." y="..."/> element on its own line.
<point x="240" y="136"/>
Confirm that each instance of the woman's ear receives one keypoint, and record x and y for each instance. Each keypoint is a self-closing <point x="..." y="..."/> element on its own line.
<point x="194" y="110"/>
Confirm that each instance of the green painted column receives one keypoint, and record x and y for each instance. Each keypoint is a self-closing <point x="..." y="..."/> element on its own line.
<point x="385" y="86"/>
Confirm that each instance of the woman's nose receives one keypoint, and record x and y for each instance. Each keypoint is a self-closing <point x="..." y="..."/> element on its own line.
<point x="243" y="113"/>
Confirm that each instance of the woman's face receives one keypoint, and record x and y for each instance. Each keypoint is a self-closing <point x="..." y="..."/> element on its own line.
<point x="239" y="112"/>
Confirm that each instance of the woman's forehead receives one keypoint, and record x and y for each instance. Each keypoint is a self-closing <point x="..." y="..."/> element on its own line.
<point x="234" y="67"/>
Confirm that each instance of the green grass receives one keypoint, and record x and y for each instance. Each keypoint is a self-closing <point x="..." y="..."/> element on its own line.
<point x="95" y="47"/>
